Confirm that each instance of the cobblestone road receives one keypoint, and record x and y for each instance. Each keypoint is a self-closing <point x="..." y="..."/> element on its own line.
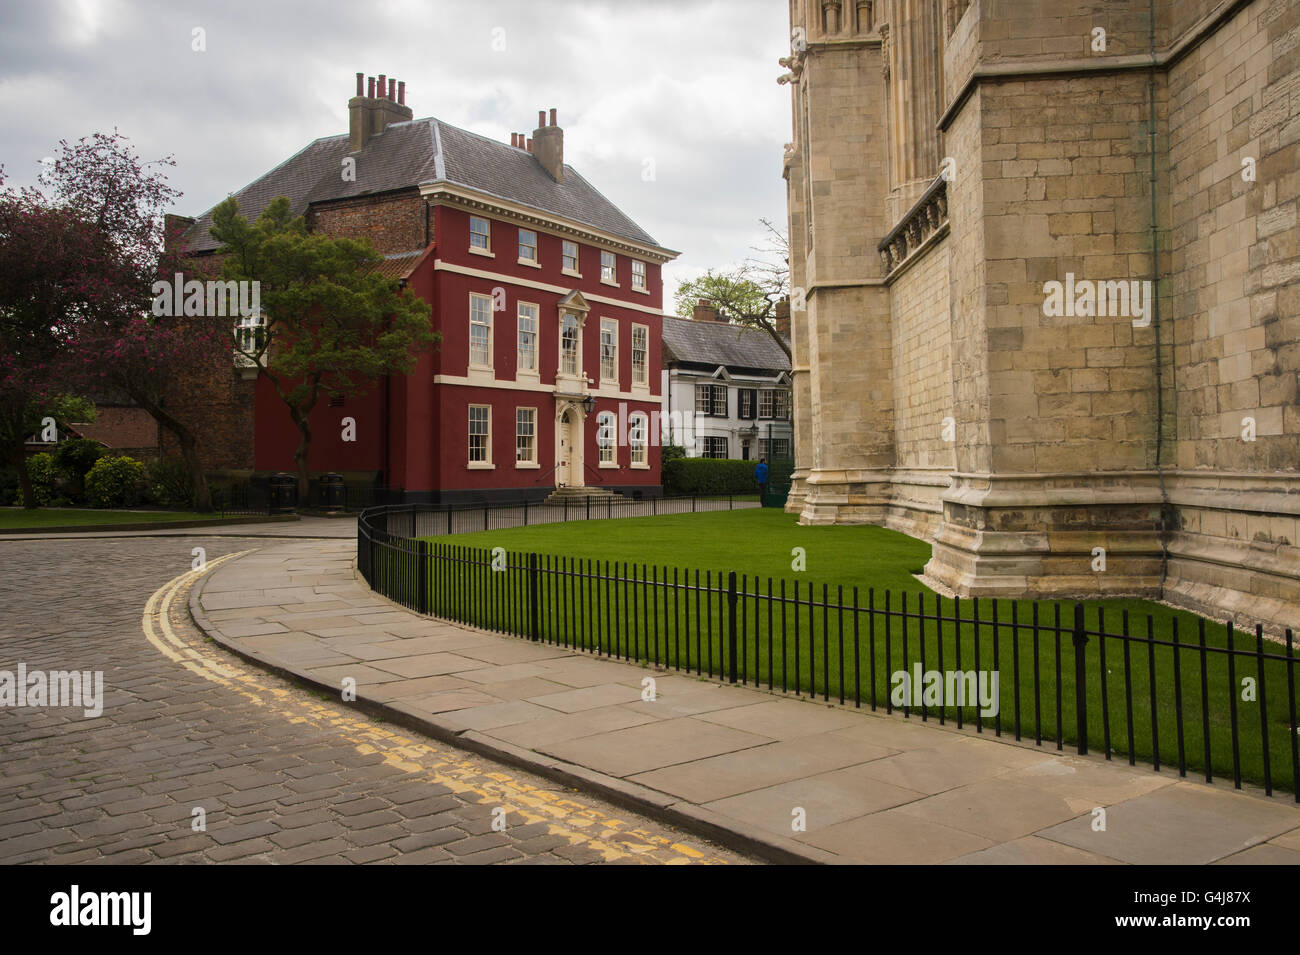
<point x="282" y="775"/>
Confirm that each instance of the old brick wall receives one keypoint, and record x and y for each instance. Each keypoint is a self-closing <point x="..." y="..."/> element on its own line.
<point x="123" y="428"/>
<point x="218" y="403"/>
<point x="396" y="222"/>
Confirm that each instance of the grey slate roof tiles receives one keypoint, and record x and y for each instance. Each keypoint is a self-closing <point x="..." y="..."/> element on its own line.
<point x="717" y="343"/>
<point x="420" y="151"/>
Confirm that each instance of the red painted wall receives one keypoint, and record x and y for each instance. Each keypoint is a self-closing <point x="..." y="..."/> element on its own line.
<point x="276" y="438"/>
<point x="427" y="423"/>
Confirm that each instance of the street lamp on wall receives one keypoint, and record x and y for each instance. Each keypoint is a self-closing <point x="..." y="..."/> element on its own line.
<point x="588" y="405"/>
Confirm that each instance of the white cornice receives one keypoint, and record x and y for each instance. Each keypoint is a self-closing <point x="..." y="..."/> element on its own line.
<point x="449" y="194"/>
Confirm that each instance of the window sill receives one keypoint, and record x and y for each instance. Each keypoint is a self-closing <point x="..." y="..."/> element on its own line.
<point x="640" y="467"/>
<point x="640" y="291"/>
<point x="609" y="283"/>
<point x="531" y="263"/>
<point x="576" y="275"/>
<point x="481" y="466"/>
<point x="483" y="252"/>
<point x="609" y="465"/>
<point x="526" y="465"/>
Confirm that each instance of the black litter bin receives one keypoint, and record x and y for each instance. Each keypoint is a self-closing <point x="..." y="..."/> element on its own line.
<point x="331" y="492"/>
<point x="284" y="493"/>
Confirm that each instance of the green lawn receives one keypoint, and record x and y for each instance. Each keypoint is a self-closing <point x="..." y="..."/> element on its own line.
<point x="629" y="611"/>
<point x="17" y="517"/>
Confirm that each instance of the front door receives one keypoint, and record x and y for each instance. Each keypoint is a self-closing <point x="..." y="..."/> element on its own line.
<point x="568" y="451"/>
<point x="562" y="454"/>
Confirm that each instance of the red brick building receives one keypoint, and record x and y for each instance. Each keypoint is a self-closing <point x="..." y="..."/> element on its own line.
<point x="548" y="298"/>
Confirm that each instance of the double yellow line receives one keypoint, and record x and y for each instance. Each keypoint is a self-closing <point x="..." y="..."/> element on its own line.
<point x="578" y="823"/>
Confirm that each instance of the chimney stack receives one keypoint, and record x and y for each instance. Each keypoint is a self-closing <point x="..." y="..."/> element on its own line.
<point x="705" y="312"/>
<point x="781" y="318"/>
<point x="369" y="115"/>
<point x="550" y="145"/>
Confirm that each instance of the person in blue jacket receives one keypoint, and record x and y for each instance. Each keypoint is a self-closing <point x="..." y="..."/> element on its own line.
<point x="760" y="475"/>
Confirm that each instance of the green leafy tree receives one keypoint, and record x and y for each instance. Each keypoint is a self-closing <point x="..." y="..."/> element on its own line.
<point x="21" y="417"/>
<point x="77" y="263"/>
<point x="331" y="323"/>
<point x="748" y="294"/>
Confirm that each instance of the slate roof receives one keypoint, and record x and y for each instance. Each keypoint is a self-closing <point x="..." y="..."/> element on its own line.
<point x="421" y="151"/>
<point x="717" y="343"/>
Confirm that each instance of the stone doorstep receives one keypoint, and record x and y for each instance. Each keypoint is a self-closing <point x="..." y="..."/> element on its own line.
<point x="733" y="820"/>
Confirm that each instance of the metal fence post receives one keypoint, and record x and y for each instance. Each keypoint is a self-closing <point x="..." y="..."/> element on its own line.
<point x="1080" y="680"/>
<point x="525" y="512"/>
<point x="422" y="586"/>
<point x="532" y="596"/>
<point x="588" y="507"/>
<point x="731" y="627"/>
<point x="485" y="517"/>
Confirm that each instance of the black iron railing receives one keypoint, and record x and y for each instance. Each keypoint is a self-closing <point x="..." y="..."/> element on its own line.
<point x="239" y="500"/>
<point x="1213" y="701"/>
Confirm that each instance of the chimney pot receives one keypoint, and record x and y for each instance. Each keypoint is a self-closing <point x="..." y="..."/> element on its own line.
<point x="541" y="118"/>
<point x="704" y="311"/>
<point x="530" y="145"/>
<point x="553" y="122"/>
<point x="370" y="116"/>
<point x="514" y="139"/>
<point x="361" y="88"/>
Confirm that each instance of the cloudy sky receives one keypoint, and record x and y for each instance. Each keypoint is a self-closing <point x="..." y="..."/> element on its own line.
<point x="683" y="88"/>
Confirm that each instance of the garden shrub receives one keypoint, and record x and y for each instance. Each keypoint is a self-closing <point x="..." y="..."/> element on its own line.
<point x="114" y="482"/>
<point x="170" y="482"/>
<point x="40" y="468"/>
<point x="75" y="458"/>
<point x="708" y="476"/>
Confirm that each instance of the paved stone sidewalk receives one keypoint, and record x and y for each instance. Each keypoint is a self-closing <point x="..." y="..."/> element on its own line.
<point x="872" y="788"/>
